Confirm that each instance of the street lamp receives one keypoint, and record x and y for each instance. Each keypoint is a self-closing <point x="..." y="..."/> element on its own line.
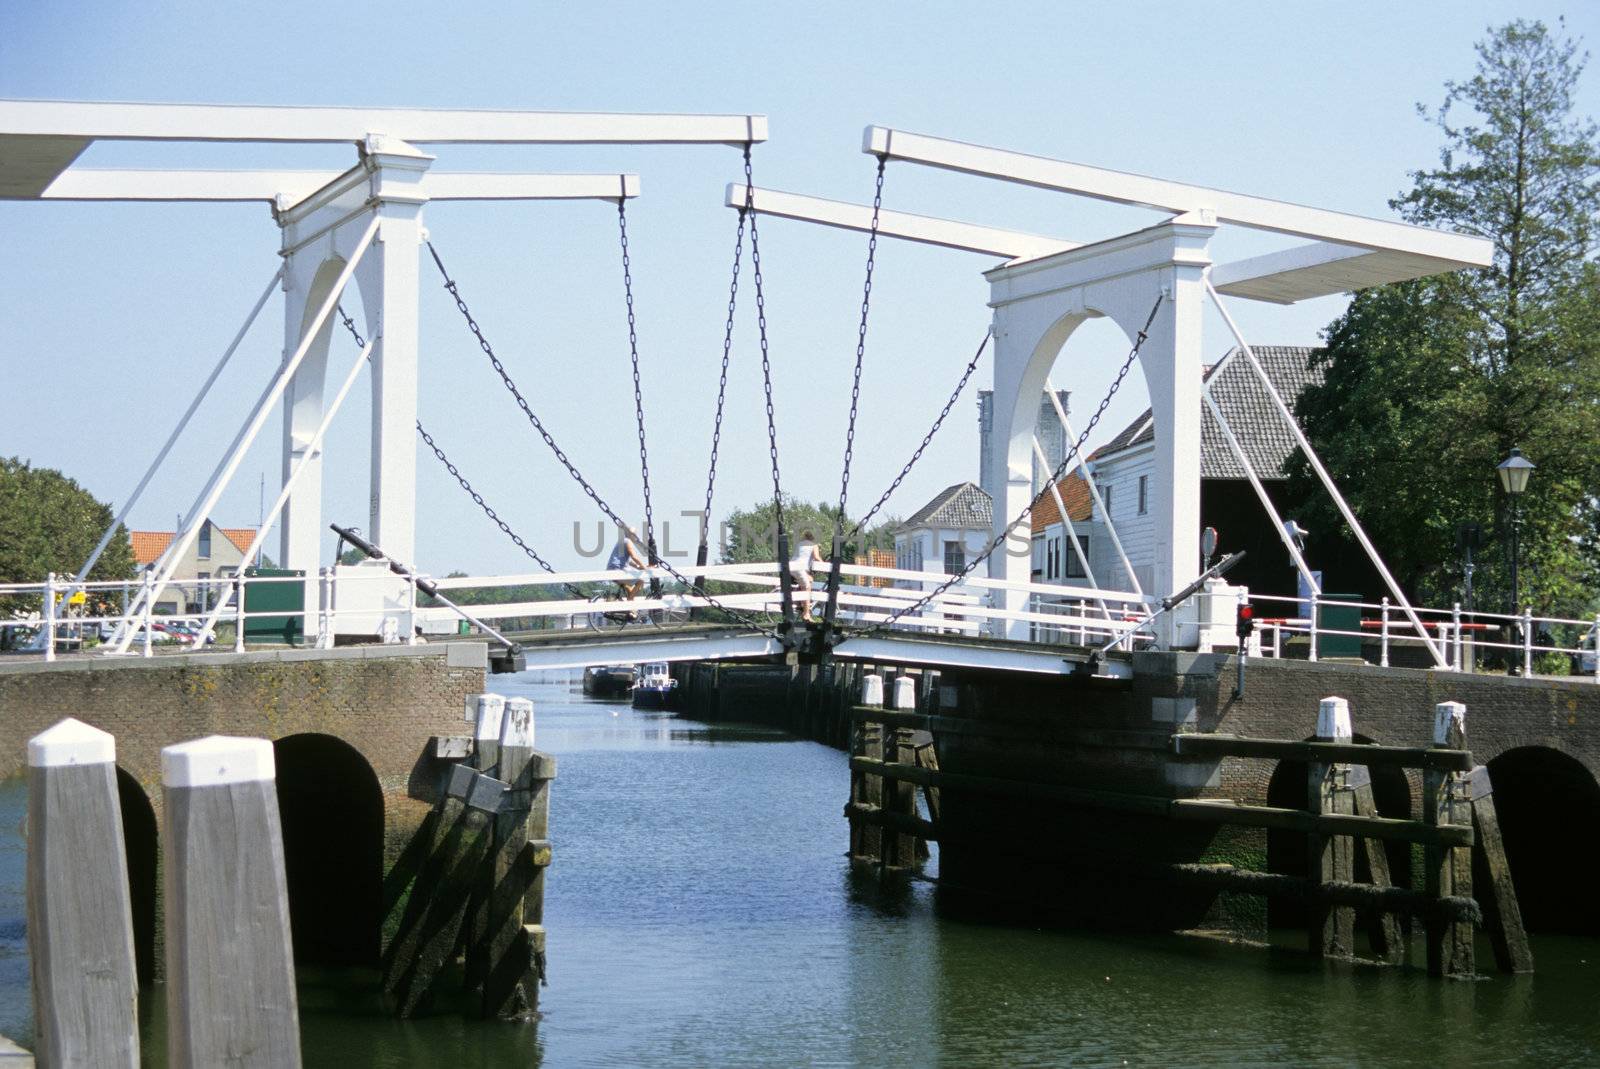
<point x="1514" y="471"/>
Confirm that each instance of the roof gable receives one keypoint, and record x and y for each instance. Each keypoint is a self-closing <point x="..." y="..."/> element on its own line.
<point x="1245" y="404"/>
<point x="962" y="506"/>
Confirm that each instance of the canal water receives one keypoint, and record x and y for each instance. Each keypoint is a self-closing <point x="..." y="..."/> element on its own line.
<point x="701" y="913"/>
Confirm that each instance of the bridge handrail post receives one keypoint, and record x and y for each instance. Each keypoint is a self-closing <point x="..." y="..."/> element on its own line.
<point x="1383" y="631"/>
<point x="1314" y="600"/>
<point x="411" y="609"/>
<point x="1527" y="640"/>
<point x="1455" y="626"/>
<point x="146" y="598"/>
<point x="240" y="579"/>
<point x="48" y="618"/>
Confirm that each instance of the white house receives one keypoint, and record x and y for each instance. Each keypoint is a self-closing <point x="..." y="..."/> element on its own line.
<point x="946" y="533"/>
<point x="1124" y="469"/>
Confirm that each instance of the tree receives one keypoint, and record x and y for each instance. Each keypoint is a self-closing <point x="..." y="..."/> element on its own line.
<point x="48" y="523"/>
<point x="1428" y="384"/>
<point x="751" y="535"/>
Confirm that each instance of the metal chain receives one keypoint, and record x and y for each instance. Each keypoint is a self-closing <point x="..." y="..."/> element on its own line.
<point x="766" y="372"/>
<point x="490" y="512"/>
<point x="638" y="391"/>
<point x="533" y="554"/>
<point x="1061" y="469"/>
<point x="972" y="365"/>
<point x="727" y="338"/>
<point x="861" y="345"/>
<point x="560" y="454"/>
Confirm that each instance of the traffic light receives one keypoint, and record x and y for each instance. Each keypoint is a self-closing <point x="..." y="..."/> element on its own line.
<point x="1245" y="622"/>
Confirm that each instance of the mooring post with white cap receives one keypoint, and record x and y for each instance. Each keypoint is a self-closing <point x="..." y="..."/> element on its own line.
<point x="1331" y="858"/>
<point x="866" y="740"/>
<point x="80" y="926"/>
<point x="1383" y="928"/>
<point x="510" y="933"/>
<point x="900" y="796"/>
<point x="1448" y="870"/>
<point x="486" y="711"/>
<point x="230" y="962"/>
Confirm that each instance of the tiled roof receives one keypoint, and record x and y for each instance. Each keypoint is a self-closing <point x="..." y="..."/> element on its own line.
<point x="1248" y="410"/>
<point x="148" y="545"/>
<point x="1074" y="495"/>
<point x="239" y="536"/>
<point x="964" y="505"/>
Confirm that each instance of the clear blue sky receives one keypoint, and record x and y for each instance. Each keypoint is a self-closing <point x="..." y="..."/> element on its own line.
<point x="109" y="314"/>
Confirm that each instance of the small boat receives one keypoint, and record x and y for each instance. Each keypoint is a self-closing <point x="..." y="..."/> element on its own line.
<point x="608" y="681"/>
<point x="653" y="689"/>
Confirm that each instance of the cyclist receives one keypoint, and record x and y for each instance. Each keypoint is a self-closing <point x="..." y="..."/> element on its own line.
<point x="625" y="554"/>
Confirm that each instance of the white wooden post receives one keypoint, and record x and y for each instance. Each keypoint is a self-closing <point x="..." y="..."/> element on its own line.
<point x="1383" y="643"/>
<point x="872" y="689"/>
<point x="230" y="963"/>
<point x="80" y="922"/>
<point x="905" y="692"/>
<point x="411" y="610"/>
<point x="48" y="628"/>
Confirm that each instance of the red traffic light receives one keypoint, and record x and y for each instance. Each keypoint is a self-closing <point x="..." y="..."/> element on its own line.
<point x="1245" y="622"/>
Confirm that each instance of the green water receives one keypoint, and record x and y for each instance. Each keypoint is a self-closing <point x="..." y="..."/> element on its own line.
<point x="701" y="913"/>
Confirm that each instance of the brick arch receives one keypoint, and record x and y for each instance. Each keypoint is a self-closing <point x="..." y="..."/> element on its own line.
<point x="332" y="810"/>
<point x="1548" y="802"/>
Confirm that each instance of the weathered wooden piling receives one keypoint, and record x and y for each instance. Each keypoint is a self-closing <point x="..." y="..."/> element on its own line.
<point x="1383" y="928"/>
<point x="1502" y="916"/>
<point x="1331" y="857"/>
<point x="899" y="794"/>
<point x="866" y="839"/>
<point x="479" y="888"/>
<point x="80" y="927"/>
<point x="1448" y="869"/>
<point x="230" y="966"/>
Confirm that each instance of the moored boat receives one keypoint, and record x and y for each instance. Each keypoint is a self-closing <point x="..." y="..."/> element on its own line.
<point x="654" y="686"/>
<point x="608" y="681"/>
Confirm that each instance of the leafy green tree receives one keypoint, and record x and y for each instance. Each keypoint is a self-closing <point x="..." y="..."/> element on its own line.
<point x="751" y="535"/>
<point x="48" y="523"/>
<point x="1430" y="383"/>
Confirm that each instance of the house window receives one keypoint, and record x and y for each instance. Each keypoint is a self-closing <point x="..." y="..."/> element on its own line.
<point x="1144" y="494"/>
<point x="1038" y="556"/>
<point x="204" y="552"/>
<point x="1105" y="497"/>
<point x="955" y="556"/>
<point x="1075" y="568"/>
<point x="1052" y="565"/>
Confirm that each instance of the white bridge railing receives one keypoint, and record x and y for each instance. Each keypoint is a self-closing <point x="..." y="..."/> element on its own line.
<point x="369" y="600"/>
<point x="1470" y="638"/>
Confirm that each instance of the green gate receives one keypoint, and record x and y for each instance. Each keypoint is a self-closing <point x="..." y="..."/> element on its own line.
<point x="263" y="602"/>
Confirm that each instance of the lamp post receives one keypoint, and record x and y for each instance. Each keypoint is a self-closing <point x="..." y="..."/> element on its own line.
<point x="1514" y="471"/>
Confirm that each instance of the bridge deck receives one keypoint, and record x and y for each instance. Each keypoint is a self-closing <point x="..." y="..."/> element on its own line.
<point x="720" y="642"/>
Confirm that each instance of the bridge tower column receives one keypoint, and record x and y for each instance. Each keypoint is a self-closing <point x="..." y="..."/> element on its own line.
<point x="319" y="234"/>
<point x="1037" y="304"/>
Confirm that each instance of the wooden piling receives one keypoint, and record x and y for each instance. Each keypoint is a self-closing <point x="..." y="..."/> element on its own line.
<point x="1448" y="868"/>
<point x="1331" y="858"/>
<point x="501" y="960"/>
<point x="80" y="927"/>
<point x="1502" y="916"/>
<point x="866" y="740"/>
<point x="230" y="966"/>
<point x="1383" y="928"/>
<point x="900" y="796"/>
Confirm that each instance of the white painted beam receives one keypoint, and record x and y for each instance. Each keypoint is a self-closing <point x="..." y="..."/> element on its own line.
<point x="967" y="237"/>
<point x="1319" y="269"/>
<point x="236" y="122"/>
<point x="1120" y="187"/>
<point x="253" y="185"/>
